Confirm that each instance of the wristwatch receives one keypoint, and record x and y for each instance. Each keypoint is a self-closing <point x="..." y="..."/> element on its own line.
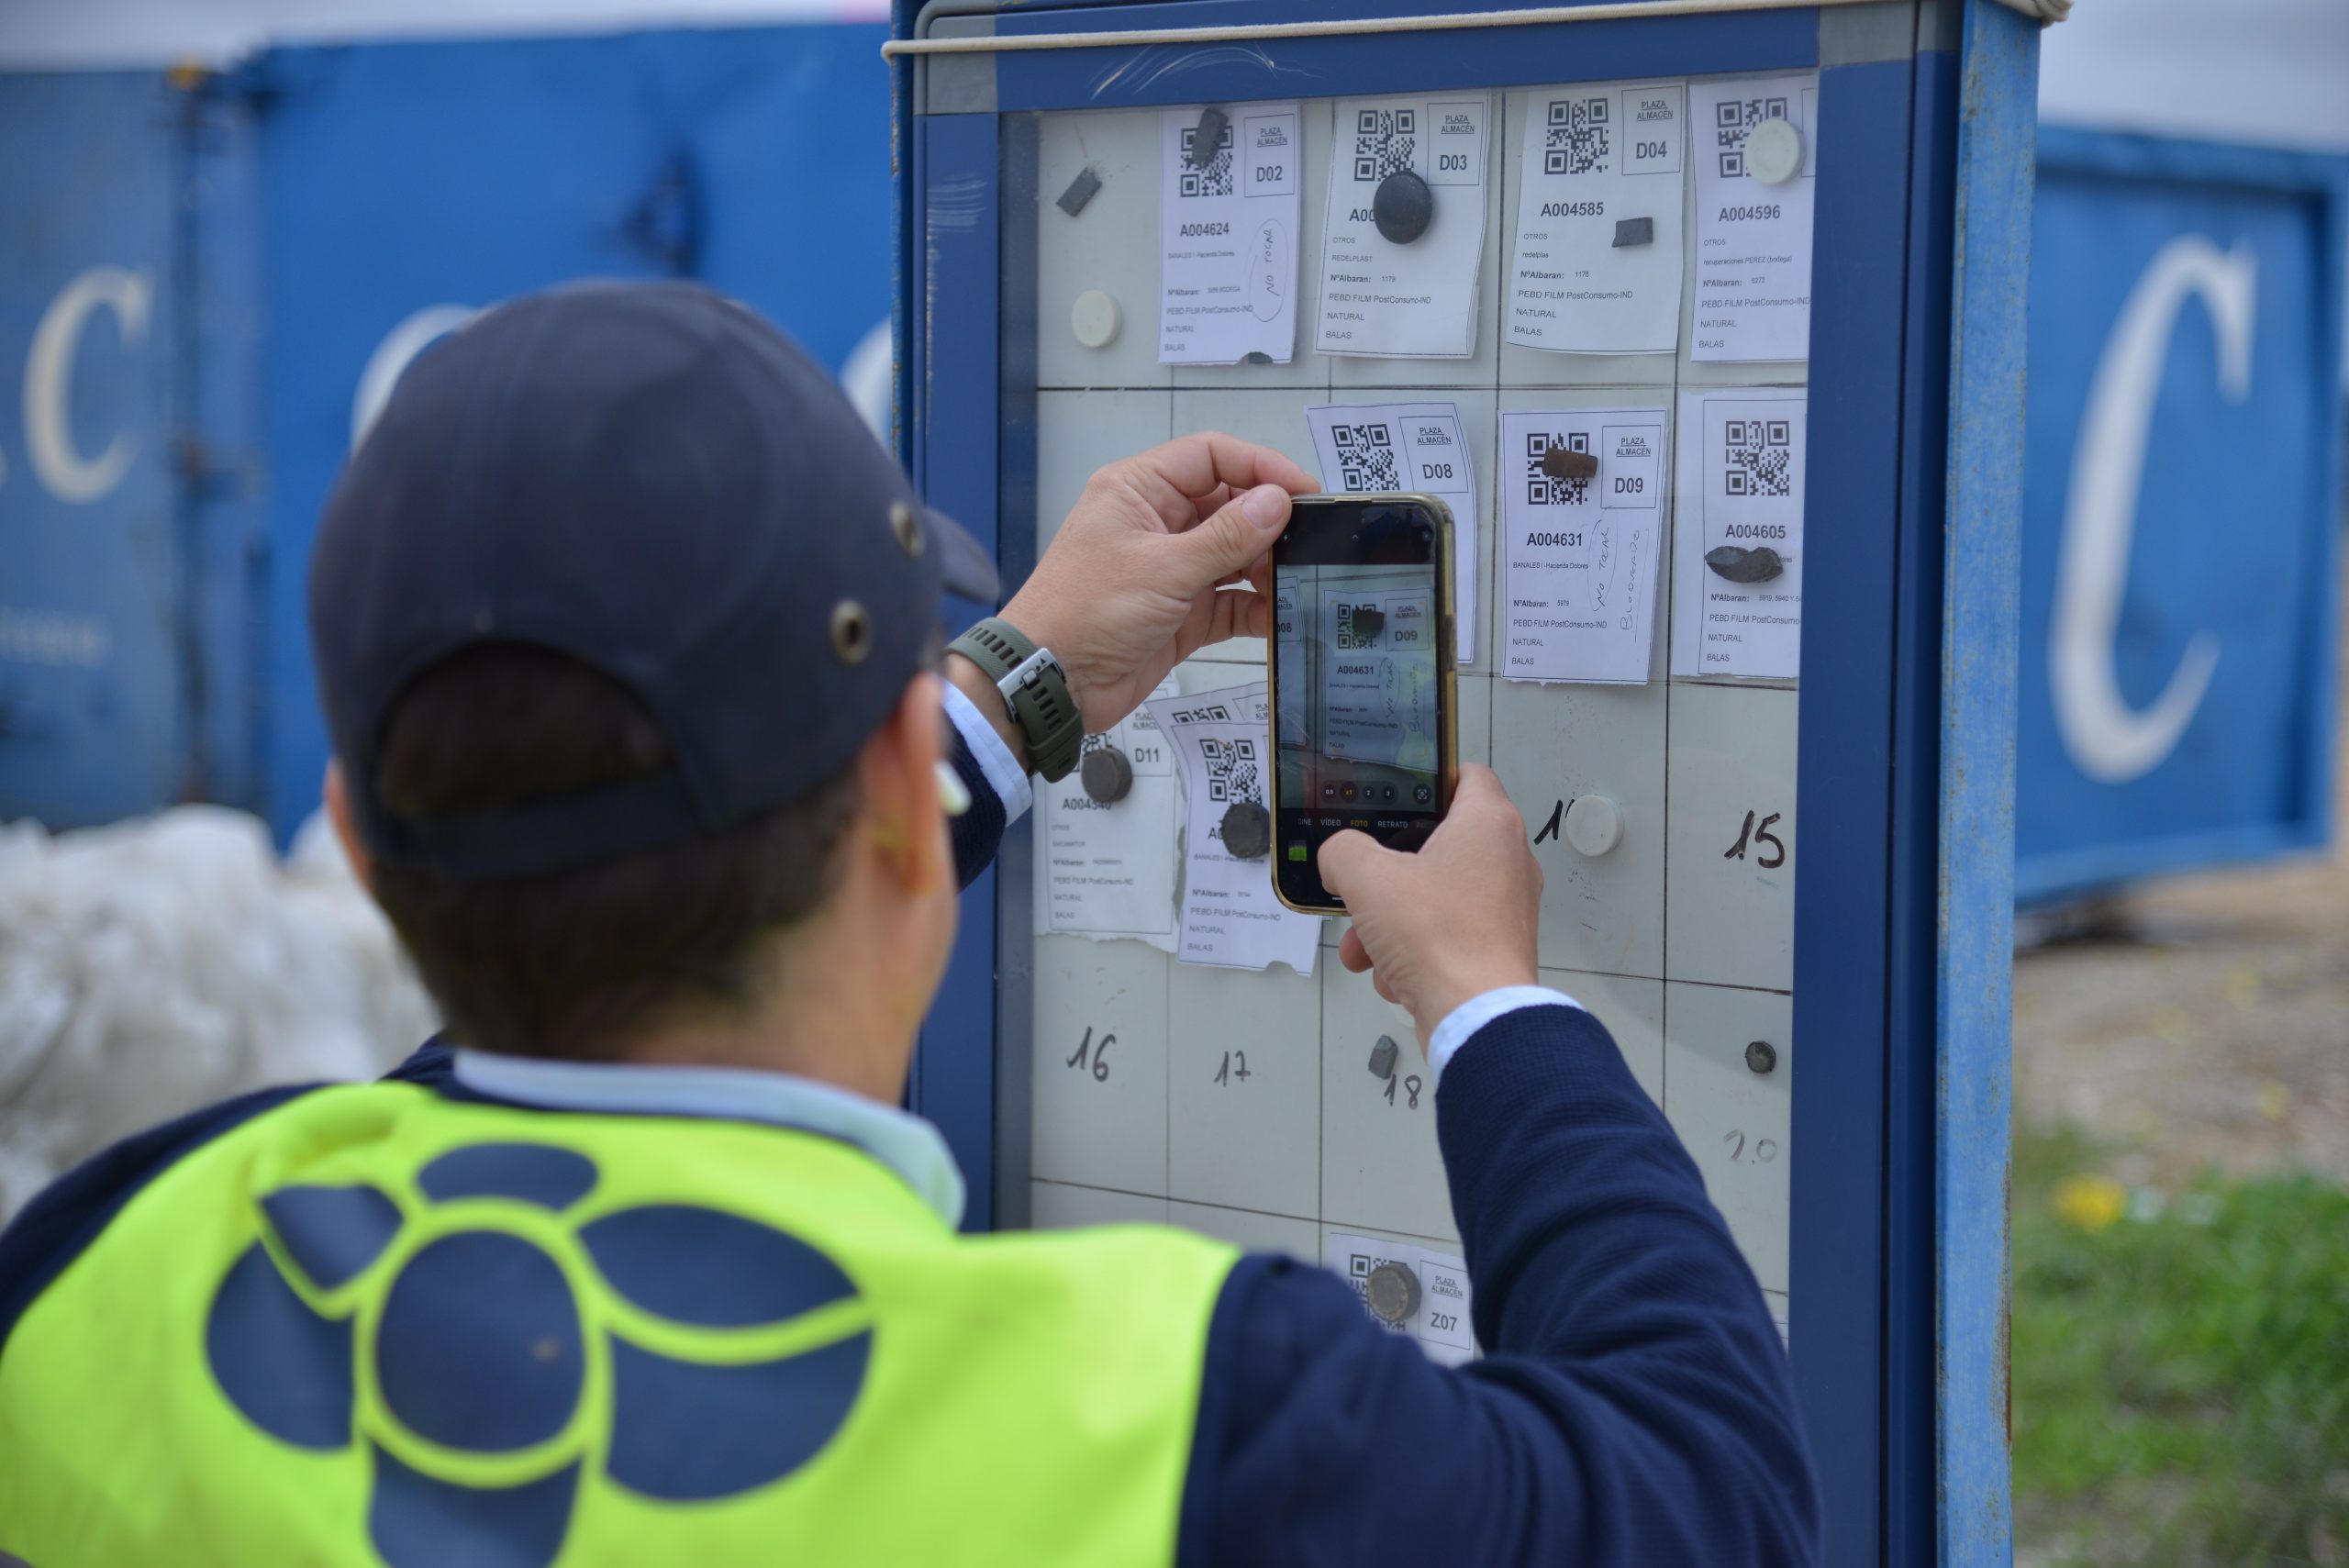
<point x="1036" y="690"/>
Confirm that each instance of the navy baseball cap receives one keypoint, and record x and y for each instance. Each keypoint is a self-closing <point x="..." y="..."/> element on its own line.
<point x="652" y="480"/>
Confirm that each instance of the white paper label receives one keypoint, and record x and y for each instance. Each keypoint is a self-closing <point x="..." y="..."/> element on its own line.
<point x="1228" y="235"/>
<point x="1754" y="241"/>
<point x="1416" y="300"/>
<point x="1222" y="743"/>
<point x="1599" y="255"/>
<point x="1581" y="558"/>
<point x="1440" y="1322"/>
<point x="1742" y="468"/>
<point x="1409" y="446"/>
<point x="1108" y="870"/>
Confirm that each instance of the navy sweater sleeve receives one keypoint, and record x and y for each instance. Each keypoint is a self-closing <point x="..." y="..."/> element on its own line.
<point x="1633" y="1409"/>
<point x="978" y="832"/>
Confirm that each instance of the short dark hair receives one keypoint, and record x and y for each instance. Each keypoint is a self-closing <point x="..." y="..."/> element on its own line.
<point x="572" y="963"/>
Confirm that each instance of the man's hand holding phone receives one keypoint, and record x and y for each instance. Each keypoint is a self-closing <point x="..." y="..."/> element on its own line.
<point x="1450" y="922"/>
<point x="1134" y="582"/>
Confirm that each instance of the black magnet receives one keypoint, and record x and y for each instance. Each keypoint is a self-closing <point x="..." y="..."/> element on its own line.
<point x="1563" y="463"/>
<point x="1760" y="1055"/>
<point x="1080" y="190"/>
<point x="1402" y="208"/>
<point x="1741" y="566"/>
<point x="1247" y="830"/>
<point x="1382" y="1057"/>
<point x="1635" y="231"/>
<point x="1205" y="140"/>
<point x="1369" y="621"/>
<point x="1108" y="775"/>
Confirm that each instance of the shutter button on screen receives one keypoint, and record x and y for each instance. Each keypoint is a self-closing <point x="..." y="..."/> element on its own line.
<point x="1393" y="1292"/>
<point x="1402" y="208"/>
<point x="1107" y="774"/>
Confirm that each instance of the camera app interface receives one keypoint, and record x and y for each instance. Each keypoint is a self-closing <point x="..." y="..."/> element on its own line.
<point x="1359" y="716"/>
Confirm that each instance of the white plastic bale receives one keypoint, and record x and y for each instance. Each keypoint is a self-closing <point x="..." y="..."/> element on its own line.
<point x="164" y="963"/>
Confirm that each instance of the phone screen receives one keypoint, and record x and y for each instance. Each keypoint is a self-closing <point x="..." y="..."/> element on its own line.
<point x="1362" y="703"/>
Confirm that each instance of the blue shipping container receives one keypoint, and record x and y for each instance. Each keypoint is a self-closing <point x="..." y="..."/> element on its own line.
<point x="405" y="186"/>
<point x="2182" y="499"/>
<point x="93" y="682"/>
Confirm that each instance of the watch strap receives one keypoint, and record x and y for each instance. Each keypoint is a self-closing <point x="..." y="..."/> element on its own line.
<point x="1035" y="688"/>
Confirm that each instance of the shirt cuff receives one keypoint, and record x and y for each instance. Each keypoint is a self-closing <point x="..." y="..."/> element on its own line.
<point x="1000" y="768"/>
<point x="1461" y="1024"/>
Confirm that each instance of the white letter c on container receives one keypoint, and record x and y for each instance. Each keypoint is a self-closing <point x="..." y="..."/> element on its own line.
<point x="2111" y="742"/>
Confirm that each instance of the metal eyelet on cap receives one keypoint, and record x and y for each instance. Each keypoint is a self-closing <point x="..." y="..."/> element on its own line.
<point x="906" y="527"/>
<point x="852" y="632"/>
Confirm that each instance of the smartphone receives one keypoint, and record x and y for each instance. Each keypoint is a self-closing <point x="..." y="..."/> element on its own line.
<point x="1362" y="681"/>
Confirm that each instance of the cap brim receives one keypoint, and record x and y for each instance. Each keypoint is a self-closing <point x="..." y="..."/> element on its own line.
<point x="965" y="566"/>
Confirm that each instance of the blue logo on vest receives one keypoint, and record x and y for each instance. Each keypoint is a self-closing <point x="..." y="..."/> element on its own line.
<point x="482" y="1352"/>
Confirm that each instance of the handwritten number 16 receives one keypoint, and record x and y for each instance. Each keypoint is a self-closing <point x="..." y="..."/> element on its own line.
<point x="1100" y="1054"/>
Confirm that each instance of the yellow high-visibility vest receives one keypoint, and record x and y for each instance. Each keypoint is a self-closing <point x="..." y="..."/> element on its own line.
<point x="376" y="1326"/>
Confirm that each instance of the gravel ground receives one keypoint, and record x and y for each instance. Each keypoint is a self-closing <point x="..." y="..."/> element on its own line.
<point x="2200" y="1023"/>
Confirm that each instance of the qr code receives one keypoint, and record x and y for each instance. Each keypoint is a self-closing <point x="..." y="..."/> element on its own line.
<point x="1356" y="630"/>
<point x="1231" y="769"/>
<point x="1577" y="143"/>
<point x="1365" y="457"/>
<point x="1761" y="452"/>
<point x="1546" y="490"/>
<point x="1384" y="141"/>
<point x="1209" y="713"/>
<point x="1732" y="120"/>
<point x="1215" y="179"/>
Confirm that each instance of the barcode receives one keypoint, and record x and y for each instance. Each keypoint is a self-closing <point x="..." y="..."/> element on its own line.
<point x="1732" y="120"/>
<point x="1385" y="140"/>
<point x="1363" y="632"/>
<point x="1761" y="454"/>
<point x="1547" y="490"/>
<point x="1365" y="457"/>
<point x="1577" y="142"/>
<point x="1231" y="769"/>
<point x="1214" y="179"/>
<point x="1208" y="713"/>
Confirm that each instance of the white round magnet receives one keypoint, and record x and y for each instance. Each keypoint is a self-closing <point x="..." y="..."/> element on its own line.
<point x="1773" y="152"/>
<point x="1594" y="825"/>
<point x="1094" y="318"/>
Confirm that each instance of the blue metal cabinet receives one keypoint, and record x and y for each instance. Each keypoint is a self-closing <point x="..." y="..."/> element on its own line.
<point x="2183" y="499"/>
<point x="404" y="185"/>
<point x="1902" y="898"/>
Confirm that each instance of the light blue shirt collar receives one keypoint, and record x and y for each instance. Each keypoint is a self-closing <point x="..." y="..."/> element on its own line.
<point x="904" y="1143"/>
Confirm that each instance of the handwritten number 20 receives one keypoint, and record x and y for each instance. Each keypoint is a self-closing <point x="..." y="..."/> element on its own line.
<point x="1765" y="1149"/>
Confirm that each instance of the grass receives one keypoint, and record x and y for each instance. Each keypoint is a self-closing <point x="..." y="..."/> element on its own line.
<point x="2181" y="1367"/>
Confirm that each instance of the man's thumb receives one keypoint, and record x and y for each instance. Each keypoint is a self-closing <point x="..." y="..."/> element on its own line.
<point x="1348" y="862"/>
<point x="1231" y="539"/>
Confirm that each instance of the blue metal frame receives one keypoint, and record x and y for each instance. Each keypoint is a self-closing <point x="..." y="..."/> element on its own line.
<point x="2322" y="181"/>
<point x="1902" y="917"/>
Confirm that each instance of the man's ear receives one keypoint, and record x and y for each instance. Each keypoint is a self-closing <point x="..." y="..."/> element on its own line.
<point x="337" y="794"/>
<point x="902" y="807"/>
